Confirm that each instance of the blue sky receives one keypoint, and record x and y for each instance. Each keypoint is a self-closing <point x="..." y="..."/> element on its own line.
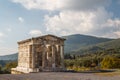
<point x="22" y="19"/>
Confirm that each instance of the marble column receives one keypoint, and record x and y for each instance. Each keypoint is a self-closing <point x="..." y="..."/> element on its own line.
<point x="62" y="55"/>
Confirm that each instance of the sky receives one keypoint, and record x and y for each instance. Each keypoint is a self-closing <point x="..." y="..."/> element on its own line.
<point x="22" y="19"/>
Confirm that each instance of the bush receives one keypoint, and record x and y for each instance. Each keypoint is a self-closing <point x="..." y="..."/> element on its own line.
<point x="8" y="66"/>
<point x="110" y="62"/>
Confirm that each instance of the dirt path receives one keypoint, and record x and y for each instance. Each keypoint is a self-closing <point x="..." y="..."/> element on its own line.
<point x="57" y="76"/>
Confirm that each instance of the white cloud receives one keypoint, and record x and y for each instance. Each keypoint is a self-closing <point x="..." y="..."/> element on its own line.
<point x="39" y="4"/>
<point x="112" y="28"/>
<point x="117" y="33"/>
<point x="98" y="22"/>
<point x="21" y="19"/>
<point x="76" y="17"/>
<point x="62" y="4"/>
<point x="35" y="33"/>
<point x="64" y="23"/>
<point x="2" y="34"/>
<point x="113" y="23"/>
<point x="71" y="22"/>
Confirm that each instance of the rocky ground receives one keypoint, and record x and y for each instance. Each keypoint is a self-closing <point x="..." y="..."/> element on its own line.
<point x="58" y="76"/>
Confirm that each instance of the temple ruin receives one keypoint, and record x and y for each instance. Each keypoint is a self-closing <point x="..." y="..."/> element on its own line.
<point x="44" y="53"/>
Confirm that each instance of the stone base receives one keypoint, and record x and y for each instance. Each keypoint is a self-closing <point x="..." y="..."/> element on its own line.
<point x="21" y="70"/>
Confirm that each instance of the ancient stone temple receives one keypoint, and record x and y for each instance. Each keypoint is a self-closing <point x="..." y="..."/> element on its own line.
<point x="44" y="53"/>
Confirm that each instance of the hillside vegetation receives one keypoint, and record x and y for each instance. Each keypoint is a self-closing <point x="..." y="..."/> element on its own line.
<point x="9" y="57"/>
<point x="113" y="44"/>
<point x="77" y="41"/>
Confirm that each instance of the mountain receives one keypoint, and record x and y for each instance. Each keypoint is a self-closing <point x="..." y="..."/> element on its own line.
<point x="77" y="41"/>
<point x="9" y="57"/>
<point x="113" y="44"/>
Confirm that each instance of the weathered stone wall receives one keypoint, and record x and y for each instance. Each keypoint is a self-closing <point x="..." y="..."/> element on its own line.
<point x="24" y="55"/>
<point x="40" y="54"/>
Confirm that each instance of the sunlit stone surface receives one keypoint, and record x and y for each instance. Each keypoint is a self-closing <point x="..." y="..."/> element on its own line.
<point x="44" y="53"/>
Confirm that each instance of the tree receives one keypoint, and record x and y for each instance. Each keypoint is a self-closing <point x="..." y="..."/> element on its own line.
<point x="0" y="69"/>
<point x="10" y="65"/>
<point x="69" y="63"/>
<point x="110" y="62"/>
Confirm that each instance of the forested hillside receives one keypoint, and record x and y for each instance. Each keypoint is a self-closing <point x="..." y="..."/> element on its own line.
<point x="77" y="41"/>
<point x="113" y="44"/>
<point x="9" y="57"/>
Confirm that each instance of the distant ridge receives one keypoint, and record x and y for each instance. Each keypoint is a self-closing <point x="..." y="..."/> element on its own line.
<point x="9" y="57"/>
<point x="78" y="41"/>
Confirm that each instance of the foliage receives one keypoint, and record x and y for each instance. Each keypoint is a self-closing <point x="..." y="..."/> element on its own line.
<point x="7" y="67"/>
<point x="109" y="58"/>
<point x="0" y="69"/>
<point x="10" y="65"/>
<point x="110" y="62"/>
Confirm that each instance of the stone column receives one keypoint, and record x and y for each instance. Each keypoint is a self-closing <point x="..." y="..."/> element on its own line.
<point x="62" y="56"/>
<point x="58" y="57"/>
<point x="44" y="55"/>
<point x="53" y="56"/>
<point x="19" y="54"/>
<point x="33" y="56"/>
<point x="47" y="51"/>
<point x="29" y="56"/>
<point x="57" y="47"/>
